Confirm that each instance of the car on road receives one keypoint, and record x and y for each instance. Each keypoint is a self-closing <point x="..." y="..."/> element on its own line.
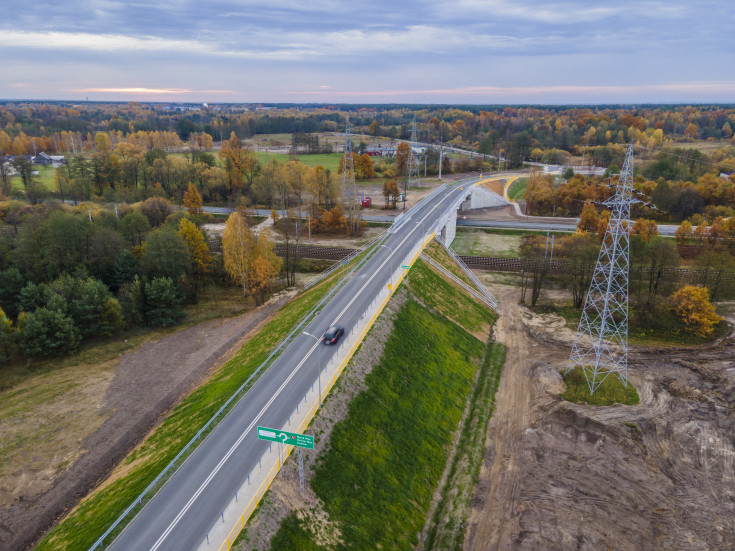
<point x="333" y="334"/>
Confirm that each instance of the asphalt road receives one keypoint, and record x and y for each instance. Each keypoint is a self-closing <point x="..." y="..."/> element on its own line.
<point x="542" y="225"/>
<point x="182" y="512"/>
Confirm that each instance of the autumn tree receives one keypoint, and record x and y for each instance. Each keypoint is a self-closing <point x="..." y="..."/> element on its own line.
<point x="692" y="306"/>
<point x="239" y="162"/>
<point x="580" y="251"/>
<point x="250" y="261"/>
<point x="645" y="229"/>
<point x="403" y="153"/>
<point x="589" y="220"/>
<point x="192" y="200"/>
<point x="390" y="192"/>
<point x="197" y="245"/>
<point x="683" y="232"/>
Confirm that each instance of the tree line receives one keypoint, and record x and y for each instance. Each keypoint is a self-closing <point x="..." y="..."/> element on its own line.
<point x="70" y="274"/>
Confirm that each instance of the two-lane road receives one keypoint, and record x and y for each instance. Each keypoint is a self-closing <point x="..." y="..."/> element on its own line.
<point x="178" y="517"/>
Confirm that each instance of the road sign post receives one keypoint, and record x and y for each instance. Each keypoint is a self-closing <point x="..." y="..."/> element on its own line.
<point x="405" y="267"/>
<point x="291" y="439"/>
<point x="285" y="437"/>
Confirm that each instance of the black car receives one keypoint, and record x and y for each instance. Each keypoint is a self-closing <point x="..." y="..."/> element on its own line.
<point x="333" y="334"/>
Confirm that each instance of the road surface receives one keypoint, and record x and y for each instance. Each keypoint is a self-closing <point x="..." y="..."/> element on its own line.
<point x="182" y="512"/>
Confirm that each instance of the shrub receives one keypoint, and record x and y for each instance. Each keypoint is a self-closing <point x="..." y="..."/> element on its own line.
<point x="46" y="333"/>
<point x="162" y="302"/>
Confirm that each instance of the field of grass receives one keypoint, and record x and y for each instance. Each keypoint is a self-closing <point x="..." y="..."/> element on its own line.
<point x="517" y="189"/>
<point x="481" y="243"/>
<point x="87" y="522"/>
<point x="329" y="161"/>
<point x="447" y="527"/>
<point x="46" y="177"/>
<point x="385" y="459"/>
<point x="450" y="300"/>
<point x="610" y="392"/>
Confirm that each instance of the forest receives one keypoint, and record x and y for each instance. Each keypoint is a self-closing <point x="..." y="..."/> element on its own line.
<point x="113" y="241"/>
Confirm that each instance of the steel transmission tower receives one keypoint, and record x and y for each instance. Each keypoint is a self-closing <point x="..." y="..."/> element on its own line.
<point x="414" y="176"/>
<point x="601" y="345"/>
<point x="350" y="200"/>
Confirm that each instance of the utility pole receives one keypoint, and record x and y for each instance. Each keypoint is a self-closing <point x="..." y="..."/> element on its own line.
<point x="349" y="187"/>
<point x="601" y="345"/>
<point x="414" y="177"/>
<point x="441" y="154"/>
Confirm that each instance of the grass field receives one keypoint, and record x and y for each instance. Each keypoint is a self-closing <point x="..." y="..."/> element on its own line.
<point x="517" y="189"/>
<point x="481" y="243"/>
<point x="610" y="392"/>
<point x="46" y="177"/>
<point x="87" y="522"/>
<point x="450" y="301"/>
<point x="329" y="161"/>
<point x="385" y="459"/>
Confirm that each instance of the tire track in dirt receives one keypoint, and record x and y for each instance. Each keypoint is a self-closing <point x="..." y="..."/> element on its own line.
<point x="492" y="517"/>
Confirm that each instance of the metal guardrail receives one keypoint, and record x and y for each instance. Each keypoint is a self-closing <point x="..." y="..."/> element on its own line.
<point x="473" y="277"/>
<point x="347" y="259"/>
<point x="336" y="365"/>
<point x="221" y="413"/>
<point x="458" y="281"/>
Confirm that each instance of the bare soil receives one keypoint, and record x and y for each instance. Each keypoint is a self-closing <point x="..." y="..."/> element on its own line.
<point x="125" y="402"/>
<point x="558" y="475"/>
<point x="283" y="497"/>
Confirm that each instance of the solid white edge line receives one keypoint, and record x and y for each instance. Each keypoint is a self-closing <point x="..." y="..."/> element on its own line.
<point x="214" y="471"/>
<point x="232" y="449"/>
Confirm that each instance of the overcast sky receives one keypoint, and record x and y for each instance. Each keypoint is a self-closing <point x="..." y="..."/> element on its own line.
<point x="453" y="51"/>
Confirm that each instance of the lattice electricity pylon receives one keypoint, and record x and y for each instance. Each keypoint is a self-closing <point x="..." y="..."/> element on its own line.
<point x="350" y="200"/>
<point x="414" y="173"/>
<point x="601" y="345"/>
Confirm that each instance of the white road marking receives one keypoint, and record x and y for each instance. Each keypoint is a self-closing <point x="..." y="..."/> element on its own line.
<point x="386" y="261"/>
<point x="228" y="454"/>
<point x="219" y="466"/>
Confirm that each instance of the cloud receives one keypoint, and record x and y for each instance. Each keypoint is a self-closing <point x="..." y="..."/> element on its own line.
<point x="147" y="91"/>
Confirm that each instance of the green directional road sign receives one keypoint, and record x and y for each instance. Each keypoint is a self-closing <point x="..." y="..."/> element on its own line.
<point x="405" y="267"/>
<point x="290" y="438"/>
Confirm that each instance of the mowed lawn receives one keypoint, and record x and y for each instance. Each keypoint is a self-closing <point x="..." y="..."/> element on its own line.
<point x="328" y="160"/>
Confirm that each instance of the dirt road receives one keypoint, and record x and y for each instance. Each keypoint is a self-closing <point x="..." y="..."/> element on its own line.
<point x="492" y="519"/>
<point x="147" y="383"/>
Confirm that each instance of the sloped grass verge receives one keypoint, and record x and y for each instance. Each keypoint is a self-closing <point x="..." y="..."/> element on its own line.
<point x="385" y="459"/>
<point x="450" y="300"/>
<point x="447" y="527"/>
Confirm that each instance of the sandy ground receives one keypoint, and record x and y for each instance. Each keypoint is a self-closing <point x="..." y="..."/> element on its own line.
<point x="139" y="390"/>
<point x="557" y="475"/>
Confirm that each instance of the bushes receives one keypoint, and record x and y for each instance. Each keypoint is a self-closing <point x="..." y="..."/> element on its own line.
<point x="46" y="333"/>
<point x="162" y="302"/>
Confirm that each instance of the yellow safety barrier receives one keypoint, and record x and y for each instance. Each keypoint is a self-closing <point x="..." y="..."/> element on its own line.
<point x="260" y="492"/>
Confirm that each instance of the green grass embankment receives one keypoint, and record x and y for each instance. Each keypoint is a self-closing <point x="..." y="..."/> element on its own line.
<point x="386" y="458"/>
<point x="517" y="189"/>
<point x="95" y="513"/>
<point x="447" y="527"/>
<point x="384" y="461"/>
